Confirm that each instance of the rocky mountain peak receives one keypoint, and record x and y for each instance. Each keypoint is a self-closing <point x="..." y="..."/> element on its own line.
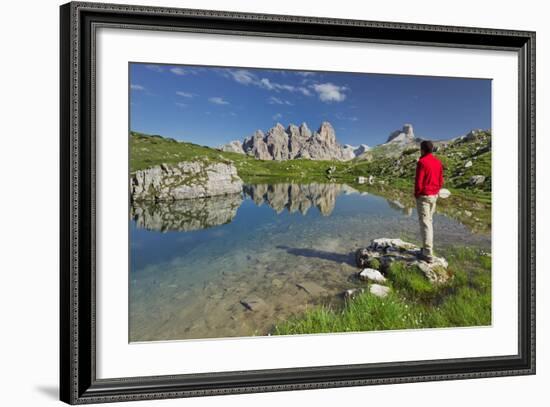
<point x="326" y="133"/>
<point x="305" y="131"/>
<point x="293" y="129"/>
<point x="294" y="142"/>
<point x="403" y="136"/>
<point x="280" y="143"/>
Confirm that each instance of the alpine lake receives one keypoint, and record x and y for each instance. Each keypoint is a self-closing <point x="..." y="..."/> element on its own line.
<point x="236" y="265"/>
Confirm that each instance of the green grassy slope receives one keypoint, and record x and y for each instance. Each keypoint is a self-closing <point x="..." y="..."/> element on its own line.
<point x="454" y="155"/>
<point x="147" y="151"/>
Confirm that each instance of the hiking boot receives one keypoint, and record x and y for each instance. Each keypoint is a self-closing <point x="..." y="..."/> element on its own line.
<point x="425" y="257"/>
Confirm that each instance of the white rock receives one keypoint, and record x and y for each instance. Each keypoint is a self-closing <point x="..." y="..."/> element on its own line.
<point x="477" y="180"/>
<point x="385" y="243"/>
<point x="436" y="271"/>
<point x="372" y="275"/>
<point x="185" y="180"/>
<point x="379" y="290"/>
<point x="468" y="164"/>
<point x="361" y="180"/>
<point x="444" y="193"/>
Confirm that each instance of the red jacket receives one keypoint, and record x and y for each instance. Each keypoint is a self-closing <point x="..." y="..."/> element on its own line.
<point x="429" y="176"/>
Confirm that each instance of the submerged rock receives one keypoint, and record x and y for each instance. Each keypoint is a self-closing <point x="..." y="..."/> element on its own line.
<point x="277" y="283"/>
<point x="312" y="288"/>
<point x="253" y="303"/>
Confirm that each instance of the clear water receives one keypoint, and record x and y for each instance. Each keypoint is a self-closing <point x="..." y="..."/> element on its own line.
<point x="194" y="263"/>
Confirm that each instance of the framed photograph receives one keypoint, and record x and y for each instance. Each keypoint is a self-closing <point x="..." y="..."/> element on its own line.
<point x="255" y="203"/>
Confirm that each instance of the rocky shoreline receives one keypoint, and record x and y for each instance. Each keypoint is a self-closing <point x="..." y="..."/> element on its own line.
<point x="376" y="259"/>
<point x="185" y="180"/>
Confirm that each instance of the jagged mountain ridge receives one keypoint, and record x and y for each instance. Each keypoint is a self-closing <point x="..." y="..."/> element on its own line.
<point x="300" y="142"/>
<point x="295" y="142"/>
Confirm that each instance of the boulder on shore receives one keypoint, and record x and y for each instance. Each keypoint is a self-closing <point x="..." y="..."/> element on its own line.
<point x="444" y="193"/>
<point x="385" y="251"/>
<point x="369" y="274"/>
<point x="379" y="290"/>
<point x="185" y="180"/>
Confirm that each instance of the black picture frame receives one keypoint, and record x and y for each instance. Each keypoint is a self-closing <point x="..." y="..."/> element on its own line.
<point x="78" y="382"/>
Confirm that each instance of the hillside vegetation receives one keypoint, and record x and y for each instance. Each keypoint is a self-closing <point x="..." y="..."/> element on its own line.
<point x="147" y="151"/>
<point x="461" y="158"/>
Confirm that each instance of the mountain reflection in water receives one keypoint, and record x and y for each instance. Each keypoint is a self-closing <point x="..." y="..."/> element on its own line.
<point x="195" y="214"/>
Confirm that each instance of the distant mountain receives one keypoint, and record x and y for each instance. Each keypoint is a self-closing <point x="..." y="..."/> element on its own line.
<point x="397" y="142"/>
<point x="466" y="160"/>
<point x="403" y="136"/>
<point x="294" y="142"/>
<point x="300" y="142"/>
<point x="350" y="152"/>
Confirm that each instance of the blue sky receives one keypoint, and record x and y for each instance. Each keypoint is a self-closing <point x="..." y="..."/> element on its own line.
<point x="214" y="105"/>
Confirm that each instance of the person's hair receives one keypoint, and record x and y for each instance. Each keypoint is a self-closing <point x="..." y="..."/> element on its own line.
<point x="427" y="146"/>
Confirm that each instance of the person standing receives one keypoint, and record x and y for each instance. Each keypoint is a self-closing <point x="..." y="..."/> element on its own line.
<point x="428" y="182"/>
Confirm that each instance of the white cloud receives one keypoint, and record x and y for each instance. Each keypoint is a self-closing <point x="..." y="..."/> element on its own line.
<point x="243" y="76"/>
<point x="276" y="101"/>
<point x="277" y="116"/>
<point x="181" y="104"/>
<point x="341" y="116"/>
<point x="134" y="86"/>
<point x="266" y="83"/>
<point x="328" y="92"/>
<point x="185" y="94"/>
<point x="178" y="71"/>
<point x="305" y="73"/>
<point x="218" y="100"/>
<point x="305" y="91"/>
<point x="155" y="68"/>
